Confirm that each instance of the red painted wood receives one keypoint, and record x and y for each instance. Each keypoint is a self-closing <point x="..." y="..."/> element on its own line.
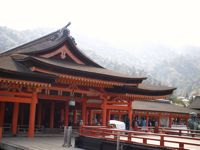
<point x="15" y="118"/>
<point x="2" y="113"/>
<point x="84" y="111"/>
<point x="39" y="119"/>
<point x="31" y="130"/>
<point x="74" y="117"/>
<point x="52" y="114"/>
<point x="104" y="110"/>
<point x="66" y="113"/>
<point x="1" y="134"/>
<point x="130" y="113"/>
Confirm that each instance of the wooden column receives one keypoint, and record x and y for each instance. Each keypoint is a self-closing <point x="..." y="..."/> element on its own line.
<point x="84" y="111"/>
<point x="22" y="114"/>
<point x="120" y="116"/>
<point x="75" y="117"/>
<point x="52" y="114"/>
<point x="159" y="120"/>
<point x="39" y="119"/>
<point x="2" y="113"/>
<point x="147" y="119"/>
<point x="86" y="117"/>
<point x="15" y="118"/>
<point x="104" y="111"/>
<point x="33" y="103"/>
<point x="66" y="113"/>
<point x="186" y="120"/>
<point x="91" y="118"/>
<point x="170" y="120"/>
<point x="62" y="115"/>
<point x="108" y="115"/>
<point x="130" y="113"/>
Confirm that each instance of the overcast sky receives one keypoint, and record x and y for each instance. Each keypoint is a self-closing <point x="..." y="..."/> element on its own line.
<point x="172" y="22"/>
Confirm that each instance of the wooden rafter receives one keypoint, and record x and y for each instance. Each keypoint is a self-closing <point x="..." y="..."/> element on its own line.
<point x="69" y="79"/>
<point x="23" y="83"/>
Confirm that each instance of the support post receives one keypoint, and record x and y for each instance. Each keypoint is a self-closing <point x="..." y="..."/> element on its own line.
<point x="66" y="113"/>
<point x="91" y="117"/>
<point x="147" y="120"/>
<point x="84" y="111"/>
<point x="2" y="113"/>
<point x="39" y="119"/>
<point x="75" y="117"/>
<point x="52" y="114"/>
<point x="62" y="116"/>
<point x="130" y="113"/>
<point x="22" y="114"/>
<point x="120" y="116"/>
<point x="104" y="109"/>
<point x="108" y="115"/>
<point x="170" y="121"/>
<point x="15" y="118"/>
<point x="33" y="103"/>
<point x="86" y="117"/>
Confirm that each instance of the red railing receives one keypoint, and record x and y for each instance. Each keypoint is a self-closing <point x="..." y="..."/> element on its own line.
<point x="186" y="132"/>
<point x="152" y="139"/>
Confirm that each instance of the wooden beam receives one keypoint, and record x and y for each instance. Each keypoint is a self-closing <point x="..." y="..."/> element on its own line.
<point x="23" y="82"/>
<point x="15" y="99"/>
<point x="21" y="94"/>
<point x="53" y="97"/>
<point x="117" y="107"/>
<point x="93" y="105"/>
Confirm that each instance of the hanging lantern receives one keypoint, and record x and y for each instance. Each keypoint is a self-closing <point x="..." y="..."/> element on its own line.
<point x="72" y="100"/>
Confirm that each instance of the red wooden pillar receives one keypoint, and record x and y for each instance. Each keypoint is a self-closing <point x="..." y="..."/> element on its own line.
<point x="108" y="115"/>
<point x="22" y="114"/>
<point x="170" y="120"/>
<point x="39" y="119"/>
<point x="33" y="103"/>
<point x="120" y="116"/>
<point x="104" y="110"/>
<point x="2" y="113"/>
<point x="186" y="120"/>
<point x="52" y="112"/>
<point x="62" y="115"/>
<point x="147" y="119"/>
<point x="91" y="117"/>
<point x="130" y="113"/>
<point x="75" y="117"/>
<point x="15" y="118"/>
<point x="66" y="113"/>
<point x="159" y="120"/>
<point x="86" y="117"/>
<point x="84" y="113"/>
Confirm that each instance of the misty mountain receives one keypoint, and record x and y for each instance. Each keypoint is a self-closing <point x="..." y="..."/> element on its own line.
<point x="160" y="63"/>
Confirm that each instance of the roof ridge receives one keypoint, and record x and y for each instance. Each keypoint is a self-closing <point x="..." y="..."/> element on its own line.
<point x="52" y="36"/>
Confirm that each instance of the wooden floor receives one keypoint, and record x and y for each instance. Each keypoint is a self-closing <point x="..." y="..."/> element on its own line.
<point x="37" y="143"/>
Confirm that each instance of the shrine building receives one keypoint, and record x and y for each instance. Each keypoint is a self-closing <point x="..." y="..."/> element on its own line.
<point x="50" y="82"/>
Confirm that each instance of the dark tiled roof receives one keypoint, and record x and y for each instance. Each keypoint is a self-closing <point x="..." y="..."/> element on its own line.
<point x="77" y="69"/>
<point x="161" y="107"/>
<point x="145" y="90"/>
<point x="195" y="103"/>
